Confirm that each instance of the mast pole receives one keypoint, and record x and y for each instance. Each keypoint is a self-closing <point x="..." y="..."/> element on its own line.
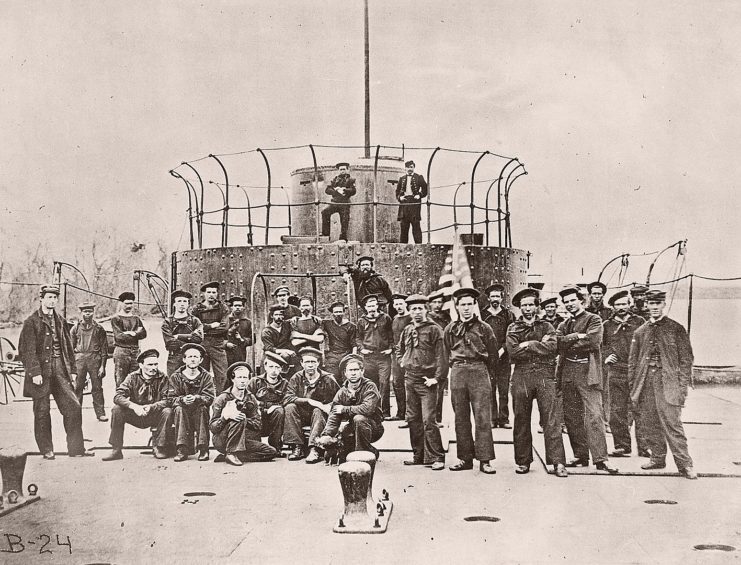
<point x="367" y="86"/>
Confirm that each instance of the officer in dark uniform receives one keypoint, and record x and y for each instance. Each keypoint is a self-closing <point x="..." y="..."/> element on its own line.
<point x="659" y="372"/>
<point x="410" y="190"/>
<point x="340" y="189"/>
<point x="48" y="357"/>
<point x="367" y="281"/>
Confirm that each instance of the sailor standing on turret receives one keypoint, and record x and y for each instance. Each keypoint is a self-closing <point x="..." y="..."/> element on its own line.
<point x="340" y="189"/>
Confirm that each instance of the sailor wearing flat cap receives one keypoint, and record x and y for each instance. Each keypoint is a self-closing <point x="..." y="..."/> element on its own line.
<point x="180" y="328"/>
<point x="659" y="371"/>
<point x="472" y="350"/>
<point x="410" y="190"/>
<point x="367" y="281"/>
<point x="276" y="338"/>
<point x="499" y="318"/>
<point x="236" y="424"/>
<point x="239" y="336"/>
<point x="340" y="333"/>
<point x="532" y="346"/>
<point x="638" y="293"/>
<point x="214" y="315"/>
<point x="597" y="291"/>
<point x="91" y="353"/>
<point x="282" y="294"/>
<point x="550" y="311"/>
<point x="420" y="353"/>
<point x="142" y="401"/>
<point x="47" y="353"/>
<point x="618" y="334"/>
<point x="375" y="341"/>
<point x="341" y="189"/>
<point x="128" y="331"/>
<point x="400" y="320"/>
<point x="192" y="392"/>
<point x="355" y="420"/>
<point x="307" y="402"/>
<point x="579" y="376"/>
<point x="270" y="391"/>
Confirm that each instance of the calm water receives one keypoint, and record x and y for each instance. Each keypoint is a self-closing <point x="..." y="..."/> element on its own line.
<point x="715" y="331"/>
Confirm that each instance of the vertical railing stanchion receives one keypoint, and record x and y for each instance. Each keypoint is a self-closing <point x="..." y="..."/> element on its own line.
<point x="473" y="192"/>
<point x="203" y="203"/>
<point x="316" y="193"/>
<point x="225" y="210"/>
<point x="269" y="196"/>
<point x="429" y="194"/>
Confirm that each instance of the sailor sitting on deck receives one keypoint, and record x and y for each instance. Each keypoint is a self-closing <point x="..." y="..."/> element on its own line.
<point x="141" y="400"/>
<point x="355" y="419"/>
<point x="192" y="392"/>
<point x="236" y="422"/>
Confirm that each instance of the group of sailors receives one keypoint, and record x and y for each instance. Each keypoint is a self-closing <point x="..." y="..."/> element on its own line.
<point x="325" y="384"/>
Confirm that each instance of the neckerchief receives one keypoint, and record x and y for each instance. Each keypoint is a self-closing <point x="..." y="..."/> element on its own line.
<point x="460" y="327"/>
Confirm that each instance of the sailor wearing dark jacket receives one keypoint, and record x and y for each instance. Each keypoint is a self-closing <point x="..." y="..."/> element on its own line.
<point x="367" y="281"/>
<point x="192" y="392"/>
<point x="179" y="329"/>
<point x="214" y="315"/>
<point x="410" y="190"/>
<point x="91" y="353"/>
<point x="141" y="400"/>
<point x="46" y="351"/>
<point x="472" y="352"/>
<point x="579" y="377"/>
<point x="236" y="423"/>
<point x="618" y="333"/>
<point x="532" y="345"/>
<point x="128" y="331"/>
<point x="340" y="189"/>
<point x="355" y="415"/>
<point x="420" y="353"/>
<point x="270" y="390"/>
<point x="307" y="402"/>
<point x="659" y="371"/>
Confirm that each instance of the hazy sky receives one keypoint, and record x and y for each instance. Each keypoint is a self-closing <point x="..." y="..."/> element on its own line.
<point x="626" y="114"/>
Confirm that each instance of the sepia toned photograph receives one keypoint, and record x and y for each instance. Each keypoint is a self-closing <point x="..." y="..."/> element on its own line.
<point x="363" y="281"/>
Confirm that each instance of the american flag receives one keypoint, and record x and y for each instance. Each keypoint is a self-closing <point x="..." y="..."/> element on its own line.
<point x="456" y="274"/>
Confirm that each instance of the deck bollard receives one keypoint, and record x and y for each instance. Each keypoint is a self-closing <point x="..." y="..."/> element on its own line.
<point x="12" y="466"/>
<point x="354" y="480"/>
<point x="370" y="459"/>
